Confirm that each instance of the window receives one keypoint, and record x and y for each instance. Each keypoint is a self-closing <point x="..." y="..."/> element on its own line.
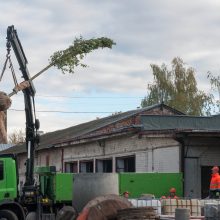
<point x="86" y="166"/>
<point x="104" y="166"/>
<point x="125" y="164"/>
<point x="71" y="167"/>
<point x="1" y="170"/>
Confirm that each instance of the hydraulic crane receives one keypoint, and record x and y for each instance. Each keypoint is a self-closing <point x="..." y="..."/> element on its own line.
<point x="34" y="202"/>
<point x="32" y="124"/>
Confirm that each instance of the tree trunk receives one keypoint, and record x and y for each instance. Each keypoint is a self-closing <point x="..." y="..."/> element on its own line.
<point x="3" y="132"/>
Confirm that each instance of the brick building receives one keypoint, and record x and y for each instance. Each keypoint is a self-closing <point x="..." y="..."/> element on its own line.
<point x="153" y="139"/>
<point x="110" y="144"/>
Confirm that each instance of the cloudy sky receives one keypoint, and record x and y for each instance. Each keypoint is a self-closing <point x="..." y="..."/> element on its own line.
<point x="146" y="31"/>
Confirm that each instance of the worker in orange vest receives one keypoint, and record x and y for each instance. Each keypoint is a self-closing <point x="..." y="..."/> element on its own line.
<point x="172" y="194"/>
<point x="214" y="183"/>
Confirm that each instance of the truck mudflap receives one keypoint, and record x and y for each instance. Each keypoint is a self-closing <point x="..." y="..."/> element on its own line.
<point x="14" y="207"/>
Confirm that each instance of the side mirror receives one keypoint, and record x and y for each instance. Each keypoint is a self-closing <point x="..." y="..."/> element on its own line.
<point x="37" y="124"/>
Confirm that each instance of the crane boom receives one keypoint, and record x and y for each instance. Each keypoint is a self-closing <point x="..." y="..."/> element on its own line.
<point x="32" y="124"/>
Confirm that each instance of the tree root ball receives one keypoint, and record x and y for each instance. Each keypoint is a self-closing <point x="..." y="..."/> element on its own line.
<point x="5" y="101"/>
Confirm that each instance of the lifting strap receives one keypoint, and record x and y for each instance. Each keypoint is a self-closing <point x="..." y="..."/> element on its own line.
<point x="8" y="59"/>
<point x="5" y="64"/>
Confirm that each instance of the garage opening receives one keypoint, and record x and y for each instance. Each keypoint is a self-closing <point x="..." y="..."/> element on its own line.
<point x="205" y="180"/>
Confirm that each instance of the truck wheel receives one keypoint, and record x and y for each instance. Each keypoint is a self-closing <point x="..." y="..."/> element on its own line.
<point x="31" y="216"/>
<point x="7" y="215"/>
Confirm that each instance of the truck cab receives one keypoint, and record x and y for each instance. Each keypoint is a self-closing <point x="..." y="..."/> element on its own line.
<point x="8" y="178"/>
<point x="9" y="204"/>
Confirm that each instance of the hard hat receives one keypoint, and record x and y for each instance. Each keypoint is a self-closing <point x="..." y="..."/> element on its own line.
<point x="215" y="168"/>
<point x="172" y="190"/>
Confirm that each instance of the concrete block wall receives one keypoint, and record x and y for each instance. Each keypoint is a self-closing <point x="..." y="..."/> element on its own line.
<point x="152" y="154"/>
<point x="167" y="159"/>
<point x="207" y="155"/>
<point x="141" y="161"/>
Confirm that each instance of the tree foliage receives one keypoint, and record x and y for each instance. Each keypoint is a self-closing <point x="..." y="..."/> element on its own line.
<point x="16" y="137"/>
<point x="215" y="84"/>
<point x="178" y="89"/>
<point x="67" y="60"/>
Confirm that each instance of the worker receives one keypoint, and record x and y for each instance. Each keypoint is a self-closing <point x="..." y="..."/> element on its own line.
<point x="126" y="194"/>
<point x="214" y="190"/>
<point x="172" y="194"/>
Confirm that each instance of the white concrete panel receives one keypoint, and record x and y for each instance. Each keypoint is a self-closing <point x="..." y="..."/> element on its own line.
<point x="166" y="159"/>
<point x="141" y="162"/>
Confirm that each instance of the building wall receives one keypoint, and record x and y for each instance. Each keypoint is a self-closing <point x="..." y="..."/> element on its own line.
<point x="50" y="157"/>
<point x="152" y="154"/>
<point x="41" y="158"/>
<point x="167" y="159"/>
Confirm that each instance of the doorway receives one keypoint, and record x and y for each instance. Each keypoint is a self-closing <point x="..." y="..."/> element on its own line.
<point x="191" y="181"/>
<point x="205" y="180"/>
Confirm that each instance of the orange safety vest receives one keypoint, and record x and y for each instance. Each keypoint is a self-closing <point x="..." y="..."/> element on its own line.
<point x="175" y="197"/>
<point x="215" y="182"/>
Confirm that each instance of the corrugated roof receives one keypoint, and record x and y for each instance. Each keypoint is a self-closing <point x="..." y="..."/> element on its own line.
<point x="48" y="139"/>
<point x="5" y="146"/>
<point x="181" y="122"/>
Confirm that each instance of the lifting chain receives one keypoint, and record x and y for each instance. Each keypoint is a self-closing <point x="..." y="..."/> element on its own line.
<point x="8" y="59"/>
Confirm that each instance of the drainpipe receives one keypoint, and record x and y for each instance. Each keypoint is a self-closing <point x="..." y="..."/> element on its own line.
<point x="182" y="141"/>
<point x="183" y="164"/>
<point x="152" y="158"/>
<point x="62" y="155"/>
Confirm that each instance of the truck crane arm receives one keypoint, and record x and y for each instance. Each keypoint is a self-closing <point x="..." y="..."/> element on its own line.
<point x="32" y="124"/>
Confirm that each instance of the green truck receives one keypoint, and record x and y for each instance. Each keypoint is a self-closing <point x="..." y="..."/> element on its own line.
<point x="55" y="188"/>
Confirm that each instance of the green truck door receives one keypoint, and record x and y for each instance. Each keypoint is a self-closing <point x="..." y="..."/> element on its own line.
<point x="2" y="180"/>
<point x="8" y="179"/>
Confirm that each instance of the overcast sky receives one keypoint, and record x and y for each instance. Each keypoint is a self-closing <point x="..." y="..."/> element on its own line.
<point x="146" y="31"/>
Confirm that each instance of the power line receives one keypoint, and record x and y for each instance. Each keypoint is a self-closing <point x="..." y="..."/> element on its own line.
<point x="66" y="112"/>
<point x="91" y="97"/>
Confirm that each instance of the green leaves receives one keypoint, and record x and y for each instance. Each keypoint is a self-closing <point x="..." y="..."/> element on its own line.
<point x="178" y="89"/>
<point x="67" y="60"/>
<point x="215" y="85"/>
